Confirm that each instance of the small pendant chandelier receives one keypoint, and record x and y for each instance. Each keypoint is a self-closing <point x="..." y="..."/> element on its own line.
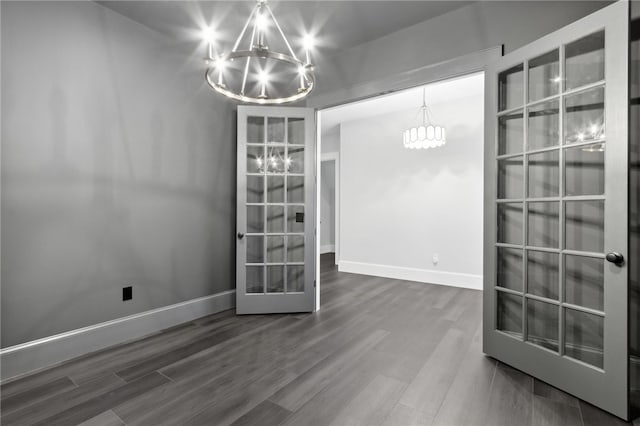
<point x="258" y="74"/>
<point x="426" y="135"/>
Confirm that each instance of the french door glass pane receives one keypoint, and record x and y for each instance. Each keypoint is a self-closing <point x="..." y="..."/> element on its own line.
<point x="584" y="281"/>
<point x="295" y="278"/>
<point x="511" y="88"/>
<point x="510" y="178"/>
<point x="255" y="189"/>
<point x="275" y="279"/>
<point x="543" y="274"/>
<point x="584" y="225"/>
<point x="544" y="125"/>
<point x="255" y="219"/>
<point x="275" y="189"/>
<point x="584" y="337"/>
<point x="544" y="174"/>
<point x="295" y="219"/>
<point x="295" y="248"/>
<point x="275" y="130"/>
<point x="542" y="324"/>
<point x="295" y="189"/>
<point x="255" y="248"/>
<point x="509" y="268"/>
<point x="510" y="223"/>
<point x="275" y="160"/>
<point x="296" y="131"/>
<point x="584" y="61"/>
<point x="509" y="311"/>
<point x="255" y="279"/>
<point x="510" y="133"/>
<point x="584" y="170"/>
<point x="584" y="116"/>
<point x="255" y="159"/>
<point x="255" y="130"/>
<point x="296" y="160"/>
<point x="544" y="75"/>
<point x="275" y="219"/>
<point x="275" y="249"/>
<point x="542" y="226"/>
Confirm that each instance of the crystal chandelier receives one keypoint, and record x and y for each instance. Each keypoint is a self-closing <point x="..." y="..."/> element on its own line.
<point x="257" y="74"/>
<point x="426" y="135"/>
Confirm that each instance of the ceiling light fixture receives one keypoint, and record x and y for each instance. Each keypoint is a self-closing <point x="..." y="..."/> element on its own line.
<point x="425" y="135"/>
<point x="258" y="74"/>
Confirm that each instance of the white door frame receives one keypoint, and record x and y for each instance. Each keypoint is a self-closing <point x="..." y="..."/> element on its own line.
<point x="335" y="157"/>
<point x="445" y="70"/>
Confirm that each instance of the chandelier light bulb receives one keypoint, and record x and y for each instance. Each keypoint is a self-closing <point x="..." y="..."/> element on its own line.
<point x="209" y="35"/>
<point x="261" y="22"/>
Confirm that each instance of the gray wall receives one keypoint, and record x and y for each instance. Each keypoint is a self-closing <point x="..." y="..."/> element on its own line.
<point x="328" y="205"/>
<point x="118" y="168"/>
<point x="472" y="28"/>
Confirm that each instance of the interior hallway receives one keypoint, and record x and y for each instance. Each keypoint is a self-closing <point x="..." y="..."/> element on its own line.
<point x="380" y="351"/>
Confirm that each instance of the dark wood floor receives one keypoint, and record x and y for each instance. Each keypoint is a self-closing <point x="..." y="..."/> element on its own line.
<point x="380" y="351"/>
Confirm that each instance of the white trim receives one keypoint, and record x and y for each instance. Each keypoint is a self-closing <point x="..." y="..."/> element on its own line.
<point x="329" y="248"/>
<point x="37" y="354"/>
<point x="453" y="279"/>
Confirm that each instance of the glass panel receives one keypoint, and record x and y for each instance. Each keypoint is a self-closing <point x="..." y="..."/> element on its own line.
<point x="295" y="219"/>
<point x="295" y="278"/>
<point x="275" y="189"/>
<point x="542" y="324"/>
<point x="295" y="248"/>
<point x="584" y="281"/>
<point x="584" y="61"/>
<point x="275" y="160"/>
<point x="255" y="189"/>
<point x="584" y="337"/>
<point x="296" y="131"/>
<point x="255" y="249"/>
<point x="255" y="159"/>
<point x="509" y="268"/>
<point x="510" y="178"/>
<point x="584" y="225"/>
<point x="255" y="129"/>
<point x="275" y="129"/>
<point x="255" y="279"/>
<point x="296" y="160"/>
<point x="544" y="75"/>
<point x="255" y="219"/>
<point x="510" y="223"/>
<point x="543" y="274"/>
<point x="543" y="221"/>
<point x="275" y="279"/>
<point x="275" y="219"/>
<point x="295" y="189"/>
<point x="509" y="310"/>
<point x="510" y="133"/>
<point x="544" y="174"/>
<point x="544" y="125"/>
<point x="275" y="249"/>
<point x="511" y="88"/>
<point x="584" y="170"/>
<point x="584" y="116"/>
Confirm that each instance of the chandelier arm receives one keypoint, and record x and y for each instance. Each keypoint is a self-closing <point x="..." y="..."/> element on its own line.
<point x="244" y="29"/>
<point x="246" y="67"/>
<point x="275" y="21"/>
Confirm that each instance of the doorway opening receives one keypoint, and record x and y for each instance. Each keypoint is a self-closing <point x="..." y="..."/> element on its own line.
<point x="411" y="214"/>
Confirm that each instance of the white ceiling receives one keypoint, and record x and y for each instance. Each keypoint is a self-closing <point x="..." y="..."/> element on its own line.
<point x="436" y="93"/>
<point x="336" y="24"/>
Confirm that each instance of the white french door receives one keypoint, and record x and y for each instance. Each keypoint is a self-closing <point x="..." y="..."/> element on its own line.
<point x="275" y="267"/>
<point x="556" y="193"/>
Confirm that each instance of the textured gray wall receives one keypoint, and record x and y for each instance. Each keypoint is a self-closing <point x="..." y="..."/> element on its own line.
<point x="118" y="168"/>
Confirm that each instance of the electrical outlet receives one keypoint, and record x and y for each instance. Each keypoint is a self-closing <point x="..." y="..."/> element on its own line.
<point x="435" y="258"/>
<point x="127" y="293"/>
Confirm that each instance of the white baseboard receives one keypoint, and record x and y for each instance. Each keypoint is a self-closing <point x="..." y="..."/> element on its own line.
<point x="331" y="248"/>
<point x="430" y="276"/>
<point x="37" y="354"/>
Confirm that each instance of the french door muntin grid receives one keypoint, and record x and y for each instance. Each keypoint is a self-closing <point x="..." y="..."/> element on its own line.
<point x="267" y="147"/>
<point x="523" y="111"/>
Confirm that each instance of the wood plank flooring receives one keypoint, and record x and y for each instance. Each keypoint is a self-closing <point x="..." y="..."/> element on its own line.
<point x="380" y="352"/>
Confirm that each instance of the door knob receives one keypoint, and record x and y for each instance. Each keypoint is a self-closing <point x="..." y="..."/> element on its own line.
<point x="240" y="235"/>
<point x="615" y="257"/>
